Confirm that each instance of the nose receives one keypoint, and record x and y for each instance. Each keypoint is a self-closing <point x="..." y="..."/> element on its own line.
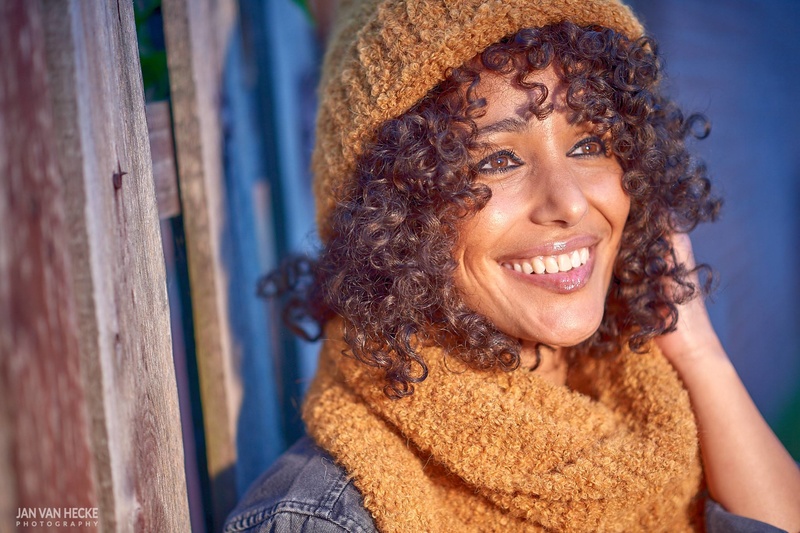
<point x="558" y="197"/>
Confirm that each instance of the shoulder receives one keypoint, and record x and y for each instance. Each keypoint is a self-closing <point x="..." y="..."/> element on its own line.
<point x="304" y="491"/>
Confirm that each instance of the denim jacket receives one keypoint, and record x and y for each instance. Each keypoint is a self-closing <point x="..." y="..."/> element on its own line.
<point x="303" y="492"/>
<point x="306" y="492"/>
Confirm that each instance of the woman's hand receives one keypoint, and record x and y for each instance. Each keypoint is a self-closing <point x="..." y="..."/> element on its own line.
<point x="747" y="469"/>
<point x="695" y="337"/>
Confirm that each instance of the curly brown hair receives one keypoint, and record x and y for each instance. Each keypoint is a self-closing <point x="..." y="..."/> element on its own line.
<point x="388" y="269"/>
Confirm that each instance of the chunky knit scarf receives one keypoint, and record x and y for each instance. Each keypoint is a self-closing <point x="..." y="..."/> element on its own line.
<point x="615" y="450"/>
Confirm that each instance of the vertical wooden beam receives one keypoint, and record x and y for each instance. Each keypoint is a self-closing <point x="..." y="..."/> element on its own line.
<point x="324" y="13"/>
<point x="89" y="414"/>
<point x="159" y="128"/>
<point x="196" y="34"/>
<point x="45" y="433"/>
<point x="124" y="311"/>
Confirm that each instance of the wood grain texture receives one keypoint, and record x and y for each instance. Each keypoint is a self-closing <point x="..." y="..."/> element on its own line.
<point x="196" y="33"/>
<point x="8" y="489"/>
<point x="45" y="434"/>
<point x="117" y="264"/>
<point x="159" y="128"/>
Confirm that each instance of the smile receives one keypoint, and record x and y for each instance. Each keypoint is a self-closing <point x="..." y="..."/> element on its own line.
<point x="550" y="264"/>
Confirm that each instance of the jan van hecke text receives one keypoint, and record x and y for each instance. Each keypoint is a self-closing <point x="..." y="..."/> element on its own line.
<point x="56" y="513"/>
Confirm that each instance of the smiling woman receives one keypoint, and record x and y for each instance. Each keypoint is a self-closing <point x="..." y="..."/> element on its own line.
<point x="514" y="334"/>
<point x="532" y="104"/>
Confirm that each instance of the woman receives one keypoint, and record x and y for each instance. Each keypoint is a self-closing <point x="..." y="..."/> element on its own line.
<point x="513" y="340"/>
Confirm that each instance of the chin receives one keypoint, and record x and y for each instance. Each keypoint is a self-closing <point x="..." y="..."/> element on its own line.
<point x="566" y="335"/>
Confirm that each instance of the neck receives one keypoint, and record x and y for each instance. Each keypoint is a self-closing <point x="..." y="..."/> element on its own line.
<point x="553" y="365"/>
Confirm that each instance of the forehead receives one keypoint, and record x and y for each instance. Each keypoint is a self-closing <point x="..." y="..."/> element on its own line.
<point x="506" y="97"/>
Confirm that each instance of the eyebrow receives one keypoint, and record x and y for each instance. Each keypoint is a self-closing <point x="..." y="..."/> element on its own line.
<point x="507" y="125"/>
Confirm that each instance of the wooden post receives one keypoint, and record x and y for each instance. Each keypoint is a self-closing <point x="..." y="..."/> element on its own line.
<point x="196" y="34"/>
<point x="46" y="458"/>
<point x="94" y="149"/>
<point x="159" y="127"/>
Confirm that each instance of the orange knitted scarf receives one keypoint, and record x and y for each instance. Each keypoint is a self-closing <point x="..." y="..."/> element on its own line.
<point x="473" y="450"/>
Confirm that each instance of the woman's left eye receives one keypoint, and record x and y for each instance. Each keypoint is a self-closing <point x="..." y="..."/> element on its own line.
<point x="590" y="146"/>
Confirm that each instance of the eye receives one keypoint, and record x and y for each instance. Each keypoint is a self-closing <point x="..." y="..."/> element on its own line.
<point x="501" y="161"/>
<point x="590" y="146"/>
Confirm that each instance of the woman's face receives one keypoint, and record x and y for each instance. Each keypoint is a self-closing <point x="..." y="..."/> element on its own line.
<point x="537" y="259"/>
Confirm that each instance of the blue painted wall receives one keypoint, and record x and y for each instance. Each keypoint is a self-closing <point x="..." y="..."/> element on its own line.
<point x="268" y="101"/>
<point x="737" y="62"/>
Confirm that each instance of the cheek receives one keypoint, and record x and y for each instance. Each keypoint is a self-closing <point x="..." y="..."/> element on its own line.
<point x="480" y="230"/>
<point x="623" y="210"/>
<point x="616" y="202"/>
<point x="624" y="213"/>
<point x="504" y="213"/>
<point x="619" y="223"/>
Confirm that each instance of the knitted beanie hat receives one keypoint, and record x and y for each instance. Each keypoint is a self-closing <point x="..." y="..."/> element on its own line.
<point x="385" y="55"/>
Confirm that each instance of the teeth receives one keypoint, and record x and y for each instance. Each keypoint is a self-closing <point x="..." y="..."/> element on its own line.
<point x="551" y="264"/>
<point x="575" y="259"/>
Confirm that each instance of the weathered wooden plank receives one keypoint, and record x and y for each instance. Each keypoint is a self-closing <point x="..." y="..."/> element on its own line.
<point x="8" y="489"/>
<point x="196" y="33"/>
<point x="47" y="460"/>
<point x="117" y="264"/>
<point x="324" y="13"/>
<point x="159" y="127"/>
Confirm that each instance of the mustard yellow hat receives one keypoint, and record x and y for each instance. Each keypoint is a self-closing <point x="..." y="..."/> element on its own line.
<point x="385" y="55"/>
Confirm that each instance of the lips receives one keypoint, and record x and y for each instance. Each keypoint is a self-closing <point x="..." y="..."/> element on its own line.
<point x="561" y="273"/>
